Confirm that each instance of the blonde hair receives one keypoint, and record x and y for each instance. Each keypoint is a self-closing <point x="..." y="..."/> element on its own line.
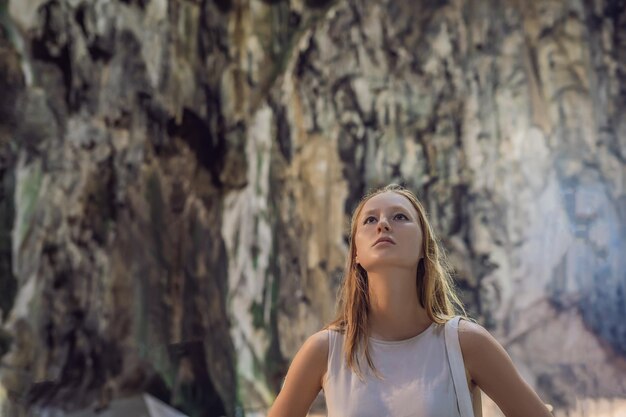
<point x="435" y="289"/>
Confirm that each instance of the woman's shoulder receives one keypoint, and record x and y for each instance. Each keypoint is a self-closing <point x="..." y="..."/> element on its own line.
<point x="471" y="333"/>
<point x="319" y="339"/>
<point x="316" y="345"/>
<point x="478" y="345"/>
<point x="313" y="355"/>
<point x="473" y="336"/>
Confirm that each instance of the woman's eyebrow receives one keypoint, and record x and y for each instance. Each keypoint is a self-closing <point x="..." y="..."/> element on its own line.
<point x="391" y="208"/>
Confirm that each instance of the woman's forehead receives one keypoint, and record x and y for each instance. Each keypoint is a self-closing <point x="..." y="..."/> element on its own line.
<point x="386" y="200"/>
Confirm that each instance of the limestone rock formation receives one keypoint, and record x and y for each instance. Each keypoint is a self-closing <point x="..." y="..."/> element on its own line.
<point x="177" y="178"/>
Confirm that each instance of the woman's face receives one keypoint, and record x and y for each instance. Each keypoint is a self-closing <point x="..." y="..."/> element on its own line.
<point x="388" y="215"/>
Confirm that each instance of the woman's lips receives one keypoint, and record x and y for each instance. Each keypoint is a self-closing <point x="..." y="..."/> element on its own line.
<point x="384" y="240"/>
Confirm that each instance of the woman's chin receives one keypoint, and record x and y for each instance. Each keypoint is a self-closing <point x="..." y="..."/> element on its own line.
<point x="388" y="265"/>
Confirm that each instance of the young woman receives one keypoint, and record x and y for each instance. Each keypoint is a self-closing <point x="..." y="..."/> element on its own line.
<point x="385" y="354"/>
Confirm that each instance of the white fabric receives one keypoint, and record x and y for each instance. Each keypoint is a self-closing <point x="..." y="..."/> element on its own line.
<point x="457" y="366"/>
<point x="417" y="379"/>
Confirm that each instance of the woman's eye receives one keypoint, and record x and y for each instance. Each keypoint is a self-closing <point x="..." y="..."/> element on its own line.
<point x="368" y="219"/>
<point x="400" y="214"/>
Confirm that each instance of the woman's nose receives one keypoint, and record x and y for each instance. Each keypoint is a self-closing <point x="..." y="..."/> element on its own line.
<point x="383" y="224"/>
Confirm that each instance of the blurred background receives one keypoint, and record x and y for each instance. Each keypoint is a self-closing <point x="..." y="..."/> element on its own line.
<point x="177" y="176"/>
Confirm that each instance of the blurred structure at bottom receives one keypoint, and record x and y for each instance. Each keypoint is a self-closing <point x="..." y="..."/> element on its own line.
<point x="143" y="405"/>
<point x="601" y="407"/>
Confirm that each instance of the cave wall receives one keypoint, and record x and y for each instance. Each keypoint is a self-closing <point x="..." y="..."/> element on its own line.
<point x="177" y="180"/>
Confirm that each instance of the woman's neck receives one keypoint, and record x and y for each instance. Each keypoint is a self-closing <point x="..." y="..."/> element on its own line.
<point x="394" y="311"/>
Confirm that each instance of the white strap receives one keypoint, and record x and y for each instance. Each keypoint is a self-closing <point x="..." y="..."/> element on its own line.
<point x="457" y="367"/>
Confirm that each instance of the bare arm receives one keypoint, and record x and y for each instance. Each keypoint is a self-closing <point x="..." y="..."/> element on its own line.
<point x="491" y="368"/>
<point x="304" y="378"/>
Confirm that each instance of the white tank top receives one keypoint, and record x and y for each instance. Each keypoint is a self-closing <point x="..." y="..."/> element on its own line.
<point x="417" y="379"/>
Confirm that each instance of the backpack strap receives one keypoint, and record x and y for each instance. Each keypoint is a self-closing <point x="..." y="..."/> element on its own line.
<point x="457" y="367"/>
